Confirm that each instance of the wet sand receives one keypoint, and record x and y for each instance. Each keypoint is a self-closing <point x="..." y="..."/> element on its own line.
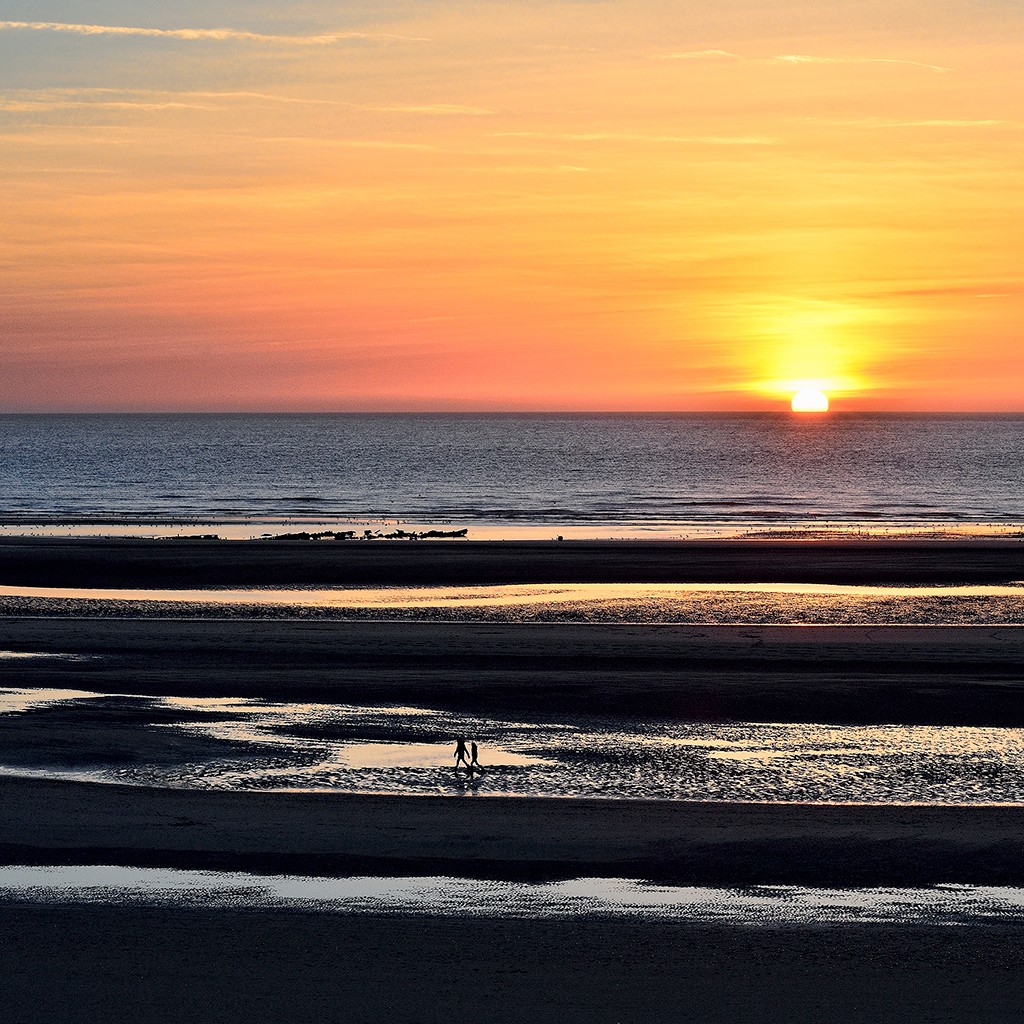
<point x="54" y="822"/>
<point x="67" y="962"/>
<point x="104" y="965"/>
<point x="845" y="674"/>
<point x="27" y="561"/>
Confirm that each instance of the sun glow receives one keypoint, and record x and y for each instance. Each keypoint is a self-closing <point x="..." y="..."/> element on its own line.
<point x="809" y="400"/>
<point x="691" y="207"/>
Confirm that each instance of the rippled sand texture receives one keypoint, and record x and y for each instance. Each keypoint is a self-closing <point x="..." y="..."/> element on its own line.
<point x="249" y="744"/>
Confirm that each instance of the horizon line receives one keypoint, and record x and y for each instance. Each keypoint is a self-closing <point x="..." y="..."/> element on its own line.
<point x="780" y="411"/>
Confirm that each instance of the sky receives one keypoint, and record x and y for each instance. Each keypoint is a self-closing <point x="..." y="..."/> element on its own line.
<point x="559" y="204"/>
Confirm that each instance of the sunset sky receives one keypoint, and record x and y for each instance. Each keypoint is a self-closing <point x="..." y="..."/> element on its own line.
<point x="654" y="204"/>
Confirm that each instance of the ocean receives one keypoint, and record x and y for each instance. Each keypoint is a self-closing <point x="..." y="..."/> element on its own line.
<point x="506" y="474"/>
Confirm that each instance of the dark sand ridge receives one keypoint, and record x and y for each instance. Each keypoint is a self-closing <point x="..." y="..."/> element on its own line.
<point x="847" y="674"/>
<point x="56" y="822"/>
<point x="195" y="563"/>
<point x="108" y="964"/>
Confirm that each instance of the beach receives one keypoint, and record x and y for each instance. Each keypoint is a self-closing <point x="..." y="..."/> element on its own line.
<point x="340" y="966"/>
<point x="121" y="562"/>
<point x="277" y="966"/>
<point x="927" y="674"/>
<point x="515" y="838"/>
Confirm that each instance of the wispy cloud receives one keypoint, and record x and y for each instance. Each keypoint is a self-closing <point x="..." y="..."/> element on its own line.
<point x="796" y="58"/>
<point x="938" y="122"/>
<point x="214" y="34"/>
<point x="16" y="106"/>
<point x="806" y="58"/>
<point x="349" y="143"/>
<point x="700" y="140"/>
<point x="429" y="109"/>
<point x="423" y="108"/>
<point x="262" y="97"/>
<point x="155" y="97"/>
<point x="705" y="55"/>
<point x="25" y="101"/>
<point x="943" y="123"/>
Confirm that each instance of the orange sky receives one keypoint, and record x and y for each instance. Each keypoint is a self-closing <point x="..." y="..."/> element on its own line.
<point x="567" y="205"/>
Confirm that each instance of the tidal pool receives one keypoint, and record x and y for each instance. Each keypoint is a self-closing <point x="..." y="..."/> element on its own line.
<point x="463" y="897"/>
<point x="256" y="744"/>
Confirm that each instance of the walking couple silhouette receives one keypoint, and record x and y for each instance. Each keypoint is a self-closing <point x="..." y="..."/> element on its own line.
<point x="467" y="759"/>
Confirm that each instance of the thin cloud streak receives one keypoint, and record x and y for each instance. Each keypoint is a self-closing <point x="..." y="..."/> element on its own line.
<point x="804" y="58"/>
<point x="697" y="140"/>
<point x="346" y="143"/>
<point x="705" y="55"/>
<point x="935" y="122"/>
<point x="192" y="34"/>
<point x="424" y="108"/>
<point x="60" y="99"/>
<point x="87" y="95"/>
<point x="796" y="59"/>
<point x="49" y="106"/>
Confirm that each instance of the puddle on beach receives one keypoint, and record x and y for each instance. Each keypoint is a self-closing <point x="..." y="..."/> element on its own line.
<point x="13" y="700"/>
<point x="240" y="744"/>
<point x="421" y="755"/>
<point x="742" y="603"/>
<point x="32" y="655"/>
<point x="462" y="897"/>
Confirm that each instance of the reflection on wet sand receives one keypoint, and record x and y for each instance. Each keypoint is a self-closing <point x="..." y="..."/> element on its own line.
<point x="13" y="700"/>
<point x="459" y="897"/>
<point x="227" y="743"/>
<point x="509" y="595"/>
<point x="747" y="603"/>
<point x="422" y="755"/>
<point x="33" y="655"/>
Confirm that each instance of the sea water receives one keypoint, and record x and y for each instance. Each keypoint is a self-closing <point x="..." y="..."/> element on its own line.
<point x="598" y="472"/>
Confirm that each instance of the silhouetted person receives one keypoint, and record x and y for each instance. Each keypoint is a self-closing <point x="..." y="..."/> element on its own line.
<point x="461" y="754"/>
<point x="475" y="763"/>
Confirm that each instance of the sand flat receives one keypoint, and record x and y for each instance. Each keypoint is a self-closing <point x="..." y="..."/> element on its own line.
<point x="119" y="963"/>
<point x="48" y="821"/>
<point x="91" y="562"/>
<point x="846" y="674"/>
<point x="108" y="964"/>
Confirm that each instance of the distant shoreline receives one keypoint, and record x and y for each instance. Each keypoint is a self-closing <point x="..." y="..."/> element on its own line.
<point x="375" y="528"/>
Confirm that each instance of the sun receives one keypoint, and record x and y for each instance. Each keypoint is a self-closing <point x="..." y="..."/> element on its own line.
<point x="809" y="400"/>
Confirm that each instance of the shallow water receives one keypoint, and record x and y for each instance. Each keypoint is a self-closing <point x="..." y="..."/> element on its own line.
<point x="463" y="897"/>
<point x="694" y="603"/>
<point x="345" y="748"/>
<point x="13" y="700"/>
<point x="27" y="655"/>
